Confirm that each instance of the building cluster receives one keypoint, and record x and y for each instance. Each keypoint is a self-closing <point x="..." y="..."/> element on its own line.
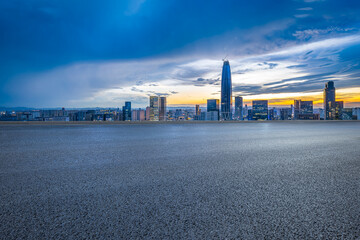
<point x="215" y="110"/>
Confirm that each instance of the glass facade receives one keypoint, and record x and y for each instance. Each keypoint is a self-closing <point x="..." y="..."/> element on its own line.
<point x="238" y="108"/>
<point x="162" y="109"/>
<point x="260" y="110"/>
<point x="306" y="107"/>
<point x="226" y="92"/>
<point x="339" y="105"/>
<point x="127" y="111"/>
<point x="154" y="108"/>
<point x="213" y="109"/>
<point x="329" y="101"/>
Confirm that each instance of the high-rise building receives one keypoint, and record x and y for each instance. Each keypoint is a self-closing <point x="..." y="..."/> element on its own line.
<point x="154" y="108"/>
<point x="271" y="114"/>
<point x="329" y="101"/>
<point x="127" y="111"/>
<point x="303" y="110"/>
<point x="296" y="109"/>
<point x="306" y="107"/>
<point x="212" y="105"/>
<point x="147" y="113"/>
<point x="246" y="112"/>
<point x="138" y="115"/>
<point x="347" y="114"/>
<point x="162" y="109"/>
<point x="259" y="110"/>
<point x="238" y="108"/>
<point x="285" y="114"/>
<point x="197" y="110"/>
<point x="339" y="105"/>
<point x="212" y="110"/>
<point x="226" y="92"/>
<point x="356" y="113"/>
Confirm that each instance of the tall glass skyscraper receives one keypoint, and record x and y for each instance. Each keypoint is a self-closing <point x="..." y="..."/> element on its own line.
<point x="329" y="101"/>
<point x="127" y="111"/>
<point x="226" y="92"/>
<point x="154" y="108"/>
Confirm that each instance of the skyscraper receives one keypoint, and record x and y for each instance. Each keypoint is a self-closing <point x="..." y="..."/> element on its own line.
<point x="306" y="107"/>
<point x="162" y="109"/>
<point x="303" y="110"/>
<point x="238" y="108"/>
<point x="197" y="110"/>
<point x="212" y="105"/>
<point x="259" y="110"/>
<point x="212" y="110"/>
<point x="226" y="92"/>
<point x="285" y="113"/>
<point x="138" y="115"/>
<point x="127" y="111"/>
<point x="329" y="101"/>
<point x="339" y="106"/>
<point x="154" y="108"/>
<point x="147" y="113"/>
<point x="296" y="109"/>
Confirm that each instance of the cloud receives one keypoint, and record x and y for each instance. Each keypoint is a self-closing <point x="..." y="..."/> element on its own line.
<point x="297" y="66"/>
<point x="203" y="82"/>
<point x="301" y="15"/>
<point x="134" y="89"/>
<point x="313" y="33"/>
<point x="136" y="47"/>
<point x="305" y="9"/>
<point x="246" y="90"/>
<point x="296" y="69"/>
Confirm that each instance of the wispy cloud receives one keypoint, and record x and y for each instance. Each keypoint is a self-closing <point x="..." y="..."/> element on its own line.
<point x="138" y="48"/>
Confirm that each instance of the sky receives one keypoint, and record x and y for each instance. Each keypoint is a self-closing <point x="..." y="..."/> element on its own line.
<point x="87" y="53"/>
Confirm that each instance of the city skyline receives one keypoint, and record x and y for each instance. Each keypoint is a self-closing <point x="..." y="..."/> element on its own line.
<point x="278" y="52"/>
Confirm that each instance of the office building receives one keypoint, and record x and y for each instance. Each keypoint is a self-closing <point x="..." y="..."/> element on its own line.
<point x="259" y="110"/>
<point x="226" y="92"/>
<point x="303" y="110"/>
<point x="356" y="113"/>
<point x="347" y="114"/>
<point x="238" y="108"/>
<point x="246" y="112"/>
<point x="306" y="107"/>
<point x="271" y="114"/>
<point x="154" y="108"/>
<point x="126" y="112"/>
<point x="162" y="109"/>
<point x="138" y="115"/>
<point x="212" y="109"/>
<point x="147" y="113"/>
<point x="339" y="105"/>
<point x="197" y="110"/>
<point x="212" y="105"/>
<point x="212" y="116"/>
<point x="197" y="115"/>
<point x="329" y="101"/>
<point x="285" y="114"/>
<point x="295" y="109"/>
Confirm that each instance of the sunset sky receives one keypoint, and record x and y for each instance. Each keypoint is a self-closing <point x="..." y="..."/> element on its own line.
<point x="102" y="53"/>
